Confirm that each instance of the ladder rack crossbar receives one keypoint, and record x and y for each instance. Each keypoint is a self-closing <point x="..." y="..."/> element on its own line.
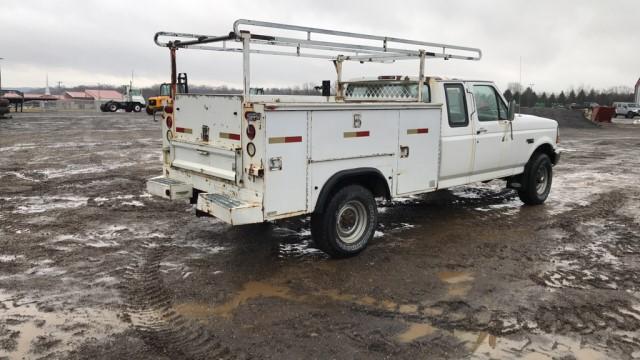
<point x="355" y="52"/>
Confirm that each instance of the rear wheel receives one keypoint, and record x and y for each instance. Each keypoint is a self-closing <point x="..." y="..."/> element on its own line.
<point x="630" y="115"/>
<point x="536" y="180"/>
<point x="347" y="223"/>
<point x="112" y="107"/>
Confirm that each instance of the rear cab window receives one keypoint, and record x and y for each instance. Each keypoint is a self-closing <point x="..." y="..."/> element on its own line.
<point x="386" y="90"/>
<point x="456" y="105"/>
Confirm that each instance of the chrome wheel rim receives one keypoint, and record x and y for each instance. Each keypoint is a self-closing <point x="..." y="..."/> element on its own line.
<point x="351" y="221"/>
<point x="542" y="179"/>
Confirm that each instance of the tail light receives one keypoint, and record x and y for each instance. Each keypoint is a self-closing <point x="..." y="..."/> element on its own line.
<point x="169" y="121"/>
<point x="251" y="132"/>
<point x="168" y="109"/>
<point x="558" y="135"/>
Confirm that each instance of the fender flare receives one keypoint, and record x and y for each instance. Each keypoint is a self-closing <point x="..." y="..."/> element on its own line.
<point x="545" y="145"/>
<point x="369" y="177"/>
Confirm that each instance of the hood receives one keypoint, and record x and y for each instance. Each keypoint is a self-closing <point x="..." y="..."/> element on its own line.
<point x="532" y="122"/>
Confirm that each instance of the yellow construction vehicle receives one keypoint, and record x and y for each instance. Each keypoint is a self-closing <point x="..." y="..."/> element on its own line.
<point x="157" y="103"/>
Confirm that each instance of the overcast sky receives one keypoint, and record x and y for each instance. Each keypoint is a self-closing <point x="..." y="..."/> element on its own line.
<point x="563" y="44"/>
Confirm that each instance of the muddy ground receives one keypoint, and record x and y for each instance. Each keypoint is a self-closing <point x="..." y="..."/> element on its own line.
<point x="92" y="267"/>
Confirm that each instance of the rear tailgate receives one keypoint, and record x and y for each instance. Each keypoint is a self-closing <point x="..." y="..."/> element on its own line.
<point x="206" y="134"/>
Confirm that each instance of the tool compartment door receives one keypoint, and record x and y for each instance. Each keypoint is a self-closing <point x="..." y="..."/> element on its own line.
<point x="206" y="133"/>
<point x="286" y="163"/>
<point x="418" y="150"/>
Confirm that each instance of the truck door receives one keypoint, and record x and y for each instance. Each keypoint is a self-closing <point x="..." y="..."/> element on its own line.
<point x="456" y="156"/>
<point x="419" y="139"/>
<point x="492" y="133"/>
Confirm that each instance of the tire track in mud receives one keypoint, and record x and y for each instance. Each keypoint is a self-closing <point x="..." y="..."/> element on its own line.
<point x="153" y="318"/>
<point x="597" y="250"/>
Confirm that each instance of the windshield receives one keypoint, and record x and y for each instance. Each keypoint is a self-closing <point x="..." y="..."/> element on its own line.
<point x="395" y="91"/>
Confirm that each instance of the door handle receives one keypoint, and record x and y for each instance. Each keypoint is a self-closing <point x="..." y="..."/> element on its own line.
<point x="481" y="131"/>
<point x="404" y="151"/>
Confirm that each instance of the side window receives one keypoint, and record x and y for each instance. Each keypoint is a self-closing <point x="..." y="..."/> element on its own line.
<point x="486" y="103"/>
<point x="426" y="93"/>
<point x="456" y="105"/>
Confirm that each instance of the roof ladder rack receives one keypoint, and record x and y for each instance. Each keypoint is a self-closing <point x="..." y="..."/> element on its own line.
<point x="311" y="42"/>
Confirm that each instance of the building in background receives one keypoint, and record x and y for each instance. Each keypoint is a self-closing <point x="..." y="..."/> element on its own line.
<point x="76" y="95"/>
<point x="97" y="95"/>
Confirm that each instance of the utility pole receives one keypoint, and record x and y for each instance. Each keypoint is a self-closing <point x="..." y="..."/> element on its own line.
<point x="1" y="74"/>
<point x="520" y="87"/>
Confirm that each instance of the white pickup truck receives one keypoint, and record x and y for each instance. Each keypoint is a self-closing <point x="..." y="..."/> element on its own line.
<point x="253" y="158"/>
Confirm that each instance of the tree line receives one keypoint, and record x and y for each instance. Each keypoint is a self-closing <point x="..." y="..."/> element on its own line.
<point x="529" y="98"/>
<point x="526" y="98"/>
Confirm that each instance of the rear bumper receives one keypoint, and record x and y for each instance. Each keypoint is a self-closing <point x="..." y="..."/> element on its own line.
<point x="232" y="211"/>
<point x="226" y="208"/>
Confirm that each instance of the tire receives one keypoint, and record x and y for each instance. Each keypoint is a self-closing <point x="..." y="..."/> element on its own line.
<point x="347" y="223"/>
<point x="113" y="107"/>
<point x="137" y="108"/>
<point x="149" y="111"/>
<point x="536" y="180"/>
<point x="630" y="115"/>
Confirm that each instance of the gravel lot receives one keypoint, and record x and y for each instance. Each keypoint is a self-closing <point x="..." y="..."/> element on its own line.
<point x="92" y="267"/>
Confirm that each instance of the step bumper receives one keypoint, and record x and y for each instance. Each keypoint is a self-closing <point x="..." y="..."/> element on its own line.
<point x="230" y="210"/>
<point x="169" y="188"/>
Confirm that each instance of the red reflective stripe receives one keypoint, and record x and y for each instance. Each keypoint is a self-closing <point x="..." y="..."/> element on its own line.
<point x="423" y="131"/>
<point x="362" y="133"/>
<point x="229" y="136"/>
<point x="292" y="139"/>
<point x="180" y="129"/>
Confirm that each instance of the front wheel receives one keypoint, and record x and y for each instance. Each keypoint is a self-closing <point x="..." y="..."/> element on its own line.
<point x="347" y="223"/>
<point x="137" y="108"/>
<point x="630" y="115"/>
<point x="536" y="180"/>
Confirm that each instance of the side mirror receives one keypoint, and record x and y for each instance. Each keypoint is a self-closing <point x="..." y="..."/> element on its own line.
<point x="512" y="110"/>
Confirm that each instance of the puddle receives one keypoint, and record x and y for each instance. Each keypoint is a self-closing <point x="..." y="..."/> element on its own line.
<point x="258" y="289"/>
<point x="251" y="290"/>
<point x="454" y="277"/>
<point x="415" y="331"/>
<point x="458" y="282"/>
<point x="30" y="331"/>
<point x="482" y="345"/>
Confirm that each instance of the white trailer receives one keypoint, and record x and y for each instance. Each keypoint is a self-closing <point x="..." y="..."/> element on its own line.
<point x="253" y="158"/>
